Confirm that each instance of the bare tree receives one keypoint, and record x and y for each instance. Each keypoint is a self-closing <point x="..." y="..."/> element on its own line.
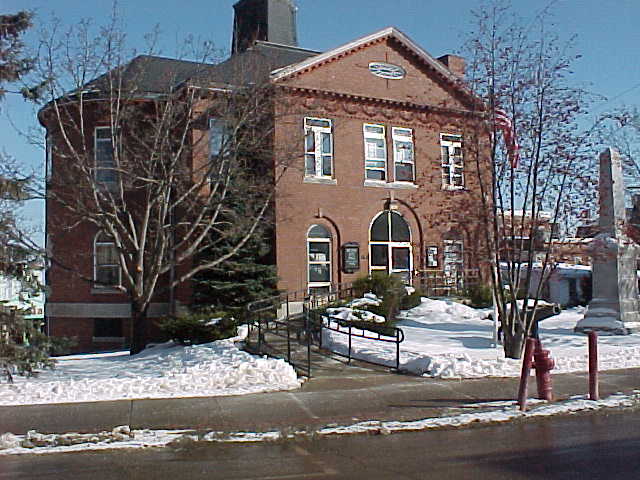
<point x="541" y="159"/>
<point x="174" y="167"/>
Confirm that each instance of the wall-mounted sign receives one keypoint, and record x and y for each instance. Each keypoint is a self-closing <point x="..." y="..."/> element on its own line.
<point x="350" y="257"/>
<point x="387" y="70"/>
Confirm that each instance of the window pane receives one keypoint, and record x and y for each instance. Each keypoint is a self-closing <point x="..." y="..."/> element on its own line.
<point x="318" y="231"/>
<point x="374" y="129"/>
<point x="106" y="254"/>
<point x="326" y="165"/>
<point x="375" y="148"/>
<point x="106" y="176"/>
<point x="103" y="133"/>
<point x="104" y="154"/>
<point x="317" y="122"/>
<point x="379" y="256"/>
<point x="380" y="228"/>
<point x="376" y="174"/>
<point x="399" y="229"/>
<point x="319" y="251"/>
<point x="106" y="276"/>
<point x="400" y="258"/>
<point x="319" y="291"/>
<point x="326" y="143"/>
<point x="216" y="137"/>
<point x="310" y="164"/>
<point x="319" y="273"/>
<point x="404" y="172"/>
<point x="445" y="155"/>
<point x="310" y="141"/>
<point x="404" y="151"/>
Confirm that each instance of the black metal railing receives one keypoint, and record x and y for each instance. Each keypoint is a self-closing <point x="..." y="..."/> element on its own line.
<point x="364" y="330"/>
<point x="280" y="316"/>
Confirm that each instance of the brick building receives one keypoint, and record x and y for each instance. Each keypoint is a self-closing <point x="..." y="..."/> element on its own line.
<point x="385" y="142"/>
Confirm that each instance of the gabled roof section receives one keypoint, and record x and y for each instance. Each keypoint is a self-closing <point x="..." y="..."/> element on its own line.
<point x="390" y="32"/>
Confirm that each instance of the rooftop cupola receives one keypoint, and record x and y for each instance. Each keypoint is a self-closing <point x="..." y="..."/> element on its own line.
<point x="267" y="20"/>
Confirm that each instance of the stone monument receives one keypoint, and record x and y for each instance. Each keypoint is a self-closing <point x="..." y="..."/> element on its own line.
<point x="614" y="307"/>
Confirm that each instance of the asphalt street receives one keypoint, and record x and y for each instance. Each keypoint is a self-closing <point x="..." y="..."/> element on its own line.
<point x="593" y="446"/>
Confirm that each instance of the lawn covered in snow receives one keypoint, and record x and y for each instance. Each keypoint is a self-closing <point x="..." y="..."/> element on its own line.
<point x="450" y="340"/>
<point x="163" y="371"/>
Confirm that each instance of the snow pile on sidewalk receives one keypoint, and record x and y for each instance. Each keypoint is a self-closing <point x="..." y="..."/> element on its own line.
<point x="449" y="340"/>
<point x="164" y="371"/>
<point x="123" y="438"/>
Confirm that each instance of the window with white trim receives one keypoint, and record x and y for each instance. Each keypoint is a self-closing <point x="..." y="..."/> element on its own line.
<point x="375" y="152"/>
<point x="49" y="156"/>
<point x="403" y="158"/>
<point x="318" y="148"/>
<point x="106" y="264"/>
<point x="319" y="260"/>
<point x="452" y="161"/>
<point x="217" y="137"/>
<point x="103" y="149"/>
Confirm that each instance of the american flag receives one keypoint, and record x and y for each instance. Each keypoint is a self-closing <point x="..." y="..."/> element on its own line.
<point x="503" y="122"/>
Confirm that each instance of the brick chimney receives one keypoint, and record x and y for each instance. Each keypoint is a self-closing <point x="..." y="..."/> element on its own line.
<point x="453" y="63"/>
<point x="266" y="20"/>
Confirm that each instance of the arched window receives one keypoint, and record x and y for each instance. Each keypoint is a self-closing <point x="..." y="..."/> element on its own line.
<point x="106" y="272"/>
<point x="390" y="245"/>
<point x="319" y="260"/>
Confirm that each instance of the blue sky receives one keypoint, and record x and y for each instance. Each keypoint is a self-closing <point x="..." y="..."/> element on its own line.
<point x="607" y="37"/>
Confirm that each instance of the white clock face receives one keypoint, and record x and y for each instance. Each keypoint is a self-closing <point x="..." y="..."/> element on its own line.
<point x="387" y="70"/>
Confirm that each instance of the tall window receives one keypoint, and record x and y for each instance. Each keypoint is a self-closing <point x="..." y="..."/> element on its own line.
<point x="106" y="265"/>
<point x="375" y="152"/>
<point x="390" y="245"/>
<point x="452" y="161"/>
<point x="217" y="137"/>
<point x="105" y="164"/>
<point x="319" y="260"/>
<point x="318" y="147"/>
<point x="403" y="154"/>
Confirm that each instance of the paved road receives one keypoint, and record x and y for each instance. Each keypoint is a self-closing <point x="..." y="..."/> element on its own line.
<point x="583" y="446"/>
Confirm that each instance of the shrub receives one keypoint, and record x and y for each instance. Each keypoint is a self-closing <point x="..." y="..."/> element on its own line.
<point x="479" y="296"/>
<point x="379" y="283"/>
<point x="411" y="300"/>
<point x="201" y="327"/>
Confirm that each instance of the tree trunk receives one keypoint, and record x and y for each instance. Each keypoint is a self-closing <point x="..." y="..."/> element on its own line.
<point x="513" y="344"/>
<point x="138" y="329"/>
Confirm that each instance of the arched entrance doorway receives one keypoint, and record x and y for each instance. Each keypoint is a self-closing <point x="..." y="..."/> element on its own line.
<point x="390" y="245"/>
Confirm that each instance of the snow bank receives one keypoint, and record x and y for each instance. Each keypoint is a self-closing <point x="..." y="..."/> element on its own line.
<point x="446" y="339"/>
<point x="164" y="371"/>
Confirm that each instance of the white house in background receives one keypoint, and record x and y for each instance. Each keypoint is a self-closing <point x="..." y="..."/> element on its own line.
<point x="19" y="294"/>
<point x="567" y="284"/>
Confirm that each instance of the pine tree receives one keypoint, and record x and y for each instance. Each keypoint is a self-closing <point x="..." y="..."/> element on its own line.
<point x="249" y="276"/>
<point x="14" y="64"/>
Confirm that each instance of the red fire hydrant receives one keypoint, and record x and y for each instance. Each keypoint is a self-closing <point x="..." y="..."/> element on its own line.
<point x="543" y="364"/>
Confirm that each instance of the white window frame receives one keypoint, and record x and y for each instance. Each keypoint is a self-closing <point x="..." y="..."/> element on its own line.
<point x="98" y="168"/>
<point x="98" y="242"/>
<point x="390" y="245"/>
<point x="317" y="152"/>
<point x="375" y="136"/>
<point x="398" y="135"/>
<point x="452" y="180"/>
<point x="327" y="262"/>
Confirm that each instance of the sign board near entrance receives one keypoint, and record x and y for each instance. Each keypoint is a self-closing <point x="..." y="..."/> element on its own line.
<point x="350" y="257"/>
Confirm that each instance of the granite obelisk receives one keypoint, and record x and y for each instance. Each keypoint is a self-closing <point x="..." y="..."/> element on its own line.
<point x="614" y="307"/>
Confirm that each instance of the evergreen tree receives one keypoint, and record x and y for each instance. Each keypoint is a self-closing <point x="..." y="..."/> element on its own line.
<point x="248" y="276"/>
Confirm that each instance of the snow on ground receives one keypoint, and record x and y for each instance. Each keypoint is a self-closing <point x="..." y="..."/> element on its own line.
<point x="163" y="371"/>
<point x="450" y="340"/>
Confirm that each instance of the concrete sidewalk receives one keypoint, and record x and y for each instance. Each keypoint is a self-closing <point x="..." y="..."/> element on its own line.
<point x="337" y="394"/>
